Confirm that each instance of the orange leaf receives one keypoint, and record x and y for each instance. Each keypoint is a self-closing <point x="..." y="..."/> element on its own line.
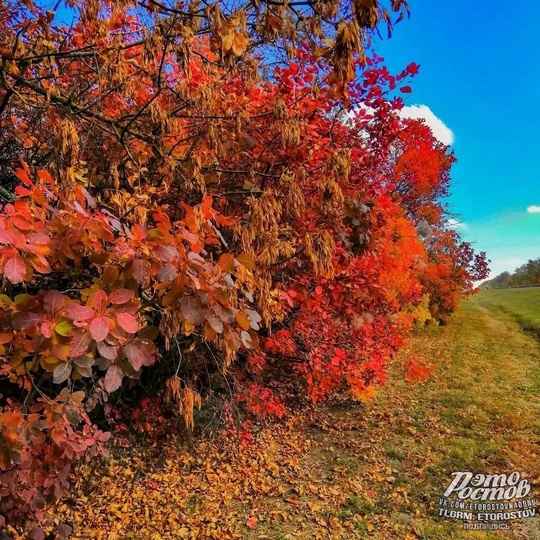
<point x="243" y="321"/>
<point x="226" y="261"/>
<point x="45" y="176"/>
<point x="22" y="175"/>
<point x="206" y="207"/>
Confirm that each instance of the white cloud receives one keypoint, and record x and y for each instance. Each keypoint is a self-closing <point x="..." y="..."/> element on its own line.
<point x="533" y="209"/>
<point x="455" y="224"/>
<point x="422" y="112"/>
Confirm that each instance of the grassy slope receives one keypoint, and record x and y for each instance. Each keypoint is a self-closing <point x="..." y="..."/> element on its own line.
<point x="347" y="471"/>
<point x="523" y="304"/>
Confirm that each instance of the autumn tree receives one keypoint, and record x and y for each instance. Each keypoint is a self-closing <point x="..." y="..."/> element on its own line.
<point x="223" y="196"/>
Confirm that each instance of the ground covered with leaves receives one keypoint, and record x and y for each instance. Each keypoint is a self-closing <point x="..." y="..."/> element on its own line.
<point x="344" y="470"/>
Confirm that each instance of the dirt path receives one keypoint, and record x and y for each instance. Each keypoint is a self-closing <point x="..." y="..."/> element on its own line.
<point x="344" y="471"/>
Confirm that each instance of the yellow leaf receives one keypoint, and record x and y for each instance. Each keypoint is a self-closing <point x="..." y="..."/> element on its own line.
<point x="227" y="41"/>
<point x="240" y="44"/>
<point x="246" y="261"/>
<point x="48" y="363"/>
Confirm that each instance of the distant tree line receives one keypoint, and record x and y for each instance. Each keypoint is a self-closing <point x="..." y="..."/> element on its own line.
<point x="527" y="274"/>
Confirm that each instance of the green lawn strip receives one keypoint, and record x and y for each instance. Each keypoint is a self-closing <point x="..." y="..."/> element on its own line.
<point x="522" y="304"/>
<point x="479" y="412"/>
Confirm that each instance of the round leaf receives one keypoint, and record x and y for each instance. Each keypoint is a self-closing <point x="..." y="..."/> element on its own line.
<point x="15" y="269"/>
<point x="113" y="379"/>
<point x="62" y="372"/>
<point x="65" y="328"/>
<point x="127" y="322"/>
<point x="121" y="296"/>
<point x="99" y="328"/>
<point x="226" y="261"/>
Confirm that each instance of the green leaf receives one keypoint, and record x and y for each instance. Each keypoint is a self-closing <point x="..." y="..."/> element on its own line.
<point x="65" y="328"/>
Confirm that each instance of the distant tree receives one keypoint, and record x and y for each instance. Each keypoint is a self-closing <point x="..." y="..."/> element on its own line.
<point x="498" y="282"/>
<point x="526" y="274"/>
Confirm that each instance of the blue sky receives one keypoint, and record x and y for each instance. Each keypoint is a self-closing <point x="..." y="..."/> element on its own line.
<point x="480" y="74"/>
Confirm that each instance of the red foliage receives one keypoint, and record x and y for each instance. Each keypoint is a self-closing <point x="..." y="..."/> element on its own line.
<point x="37" y="450"/>
<point x="417" y="370"/>
<point x="174" y="202"/>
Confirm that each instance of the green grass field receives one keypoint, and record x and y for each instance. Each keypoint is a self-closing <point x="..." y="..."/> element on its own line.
<point x="523" y="304"/>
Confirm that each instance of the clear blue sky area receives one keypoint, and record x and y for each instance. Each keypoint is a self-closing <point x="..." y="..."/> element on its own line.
<point x="480" y="74"/>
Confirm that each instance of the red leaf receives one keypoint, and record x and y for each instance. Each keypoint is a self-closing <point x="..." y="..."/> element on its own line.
<point x="99" y="328"/>
<point x="107" y="351"/>
<point x="192" y="310"/>
<point x="127" y="322"/>
<point x="23" y="321"/>
<point x="46" y="329"/>
<point x="40" y="264"/>
<point x="79" y="313"/>
<point x="53" y="301"/>
<point x="138" y="270"/>
<point x="98" y="301"/>
<point x="206" y="207"/>
<point x="37" y="533"/>
<point x="79" y="343"/>
<point x="113" y="379"/>
<point x="11" y="238"/>
<point x="45" y="176"/>
<point x="6" y="337"/>
<point x="22" y="175"/>
<point x="121" y="296"/>
<point x="135" y="354"/>
<point x="406" y="89"/>
<point x="166" y="273"/>
<point x="15" y="269"/>
<point x="21" y="223"/>
<point x="413" y="68"/>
